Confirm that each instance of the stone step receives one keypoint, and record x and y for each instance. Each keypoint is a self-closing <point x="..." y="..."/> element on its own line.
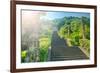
<point x="68" y="58"/>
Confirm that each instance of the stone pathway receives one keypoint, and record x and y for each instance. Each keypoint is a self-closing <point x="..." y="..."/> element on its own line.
<point x="60" y="51"/>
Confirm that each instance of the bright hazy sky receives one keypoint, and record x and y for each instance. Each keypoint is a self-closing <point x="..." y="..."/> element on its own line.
<point x="53" y="15"/>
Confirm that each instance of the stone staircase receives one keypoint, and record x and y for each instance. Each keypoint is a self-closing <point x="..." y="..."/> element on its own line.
<point x="60" y="50"/>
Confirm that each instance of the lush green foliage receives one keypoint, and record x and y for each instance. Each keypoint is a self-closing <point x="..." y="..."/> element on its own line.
<point x="76" y="31"/>
<point x="23" y="55"/>
<point x="44" y="44"/>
